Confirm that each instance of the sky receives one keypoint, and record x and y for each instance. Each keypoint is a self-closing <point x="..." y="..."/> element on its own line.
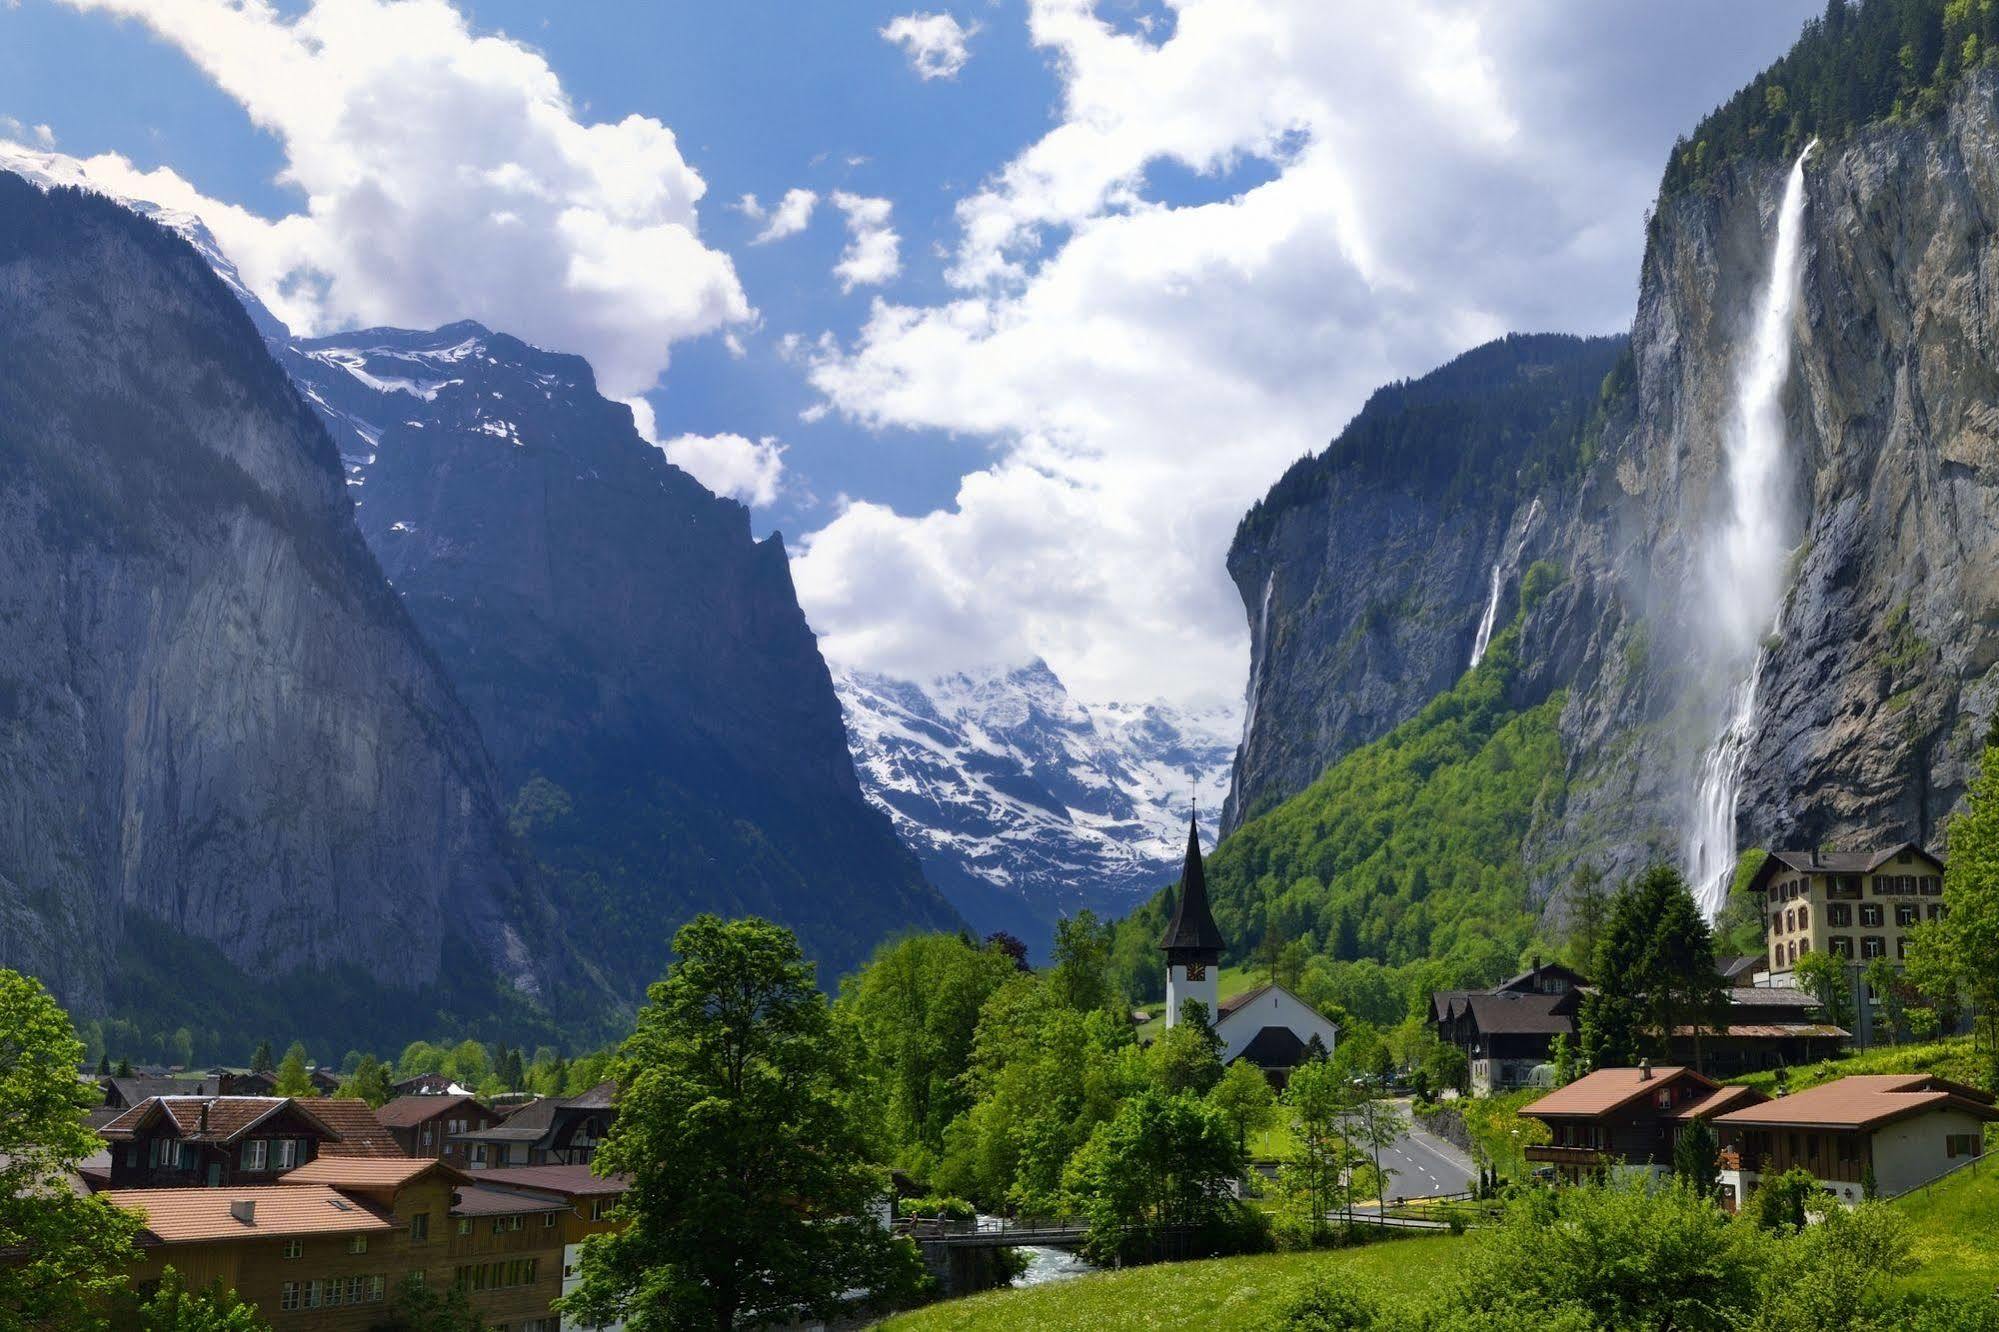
<point x="1002" y="312"/>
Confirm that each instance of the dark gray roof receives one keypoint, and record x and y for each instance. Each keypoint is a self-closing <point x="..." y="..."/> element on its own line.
<point x="1832" y="862"/>
<point x="1193" y="927"/>
<point x="1511" y="1012"/>
<point x="1770" y="996"/>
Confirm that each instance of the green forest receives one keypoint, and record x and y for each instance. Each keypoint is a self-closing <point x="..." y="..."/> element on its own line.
<point x="1398" y="871"/>
<point x="1878" y="60"/>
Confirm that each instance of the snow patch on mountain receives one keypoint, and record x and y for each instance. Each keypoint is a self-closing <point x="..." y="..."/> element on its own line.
<point x="1024" y="803"/>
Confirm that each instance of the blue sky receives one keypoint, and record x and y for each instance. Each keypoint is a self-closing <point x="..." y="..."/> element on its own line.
<point x="1147" y="253"/>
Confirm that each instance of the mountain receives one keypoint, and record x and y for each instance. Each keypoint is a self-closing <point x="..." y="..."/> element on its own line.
<point x="1853" y="708"/>
<point x="238" y="784"/>
<point x="1026" y="805"/>
<point x="663" y="724"/>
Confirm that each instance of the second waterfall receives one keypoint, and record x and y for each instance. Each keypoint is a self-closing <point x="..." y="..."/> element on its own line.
<point x="1747" y="556"/>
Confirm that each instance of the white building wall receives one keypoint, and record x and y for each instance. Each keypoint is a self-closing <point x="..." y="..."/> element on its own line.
<point x="1911" y="1151"/>
<point x="1275" y="1007"/>
<point x="1179" y="989"/>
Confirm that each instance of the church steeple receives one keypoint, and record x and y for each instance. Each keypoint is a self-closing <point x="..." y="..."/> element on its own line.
<point x="1192" y="943"/>
<point x="1193" y="930"/>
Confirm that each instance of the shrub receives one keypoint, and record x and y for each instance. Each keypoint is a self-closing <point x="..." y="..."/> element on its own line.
<point x="1329" y="1301"/>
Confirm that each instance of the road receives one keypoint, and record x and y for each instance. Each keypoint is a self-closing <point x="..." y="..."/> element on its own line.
<point x="1422" y="1165"/>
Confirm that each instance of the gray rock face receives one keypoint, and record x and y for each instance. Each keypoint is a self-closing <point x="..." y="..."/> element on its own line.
<point x="1877" y="692"/>
<point x="215" y="719"/>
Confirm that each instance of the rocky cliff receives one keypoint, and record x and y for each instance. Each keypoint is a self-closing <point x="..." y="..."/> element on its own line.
<point x="220" y="734"/>
<point x="1877" y="687"/>
<point x="664" y="726"/>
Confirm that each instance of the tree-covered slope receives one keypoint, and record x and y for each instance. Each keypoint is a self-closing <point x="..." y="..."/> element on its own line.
<point x="1408" y="848"/>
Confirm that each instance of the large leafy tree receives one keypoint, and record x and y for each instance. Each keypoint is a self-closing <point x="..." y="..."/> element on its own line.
<point x="1960" y="952"/>
<point x="1315" y="1178"/>
<point x="915" y="1008"/>
<point x="68" y="1252"/>
<point x="172" y="1307"/>
<point x="1245" y="1098"/>
<point x="1824" y="976"/>
<point x="368" y="1082"/>
<point x="751" y="1193"/>
<point x="1161" y="1161"/>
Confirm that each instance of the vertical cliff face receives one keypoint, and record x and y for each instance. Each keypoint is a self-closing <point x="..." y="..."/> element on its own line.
<point x="1368" y="571"/>
<point x="1877" y="686"/>
<point x="217" y="724"/>
<point x="664" y="726"/>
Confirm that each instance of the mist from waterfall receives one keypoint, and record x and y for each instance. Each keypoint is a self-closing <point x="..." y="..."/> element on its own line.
<point x="1748" y="557"/>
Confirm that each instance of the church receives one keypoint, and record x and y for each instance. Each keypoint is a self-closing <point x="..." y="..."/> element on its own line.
<point x="1269" y="1025"/>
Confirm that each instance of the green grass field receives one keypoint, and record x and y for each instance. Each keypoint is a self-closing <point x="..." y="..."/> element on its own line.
<point x="1952" y="1058"/>
<point x="1218" y="1293"/>
<point x="1957" y="1231"/>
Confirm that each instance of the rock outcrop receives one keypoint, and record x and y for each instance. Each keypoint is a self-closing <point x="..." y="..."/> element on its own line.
<point x="218" y="727"/>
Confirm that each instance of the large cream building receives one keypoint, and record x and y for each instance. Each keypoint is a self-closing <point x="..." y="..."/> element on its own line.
<point x="1854" y="905"/>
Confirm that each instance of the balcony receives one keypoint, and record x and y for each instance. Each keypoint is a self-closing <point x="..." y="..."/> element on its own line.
<point x="1573" y="1156"/>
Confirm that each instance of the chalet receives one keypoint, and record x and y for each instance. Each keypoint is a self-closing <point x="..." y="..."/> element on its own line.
<point x="1763" y="1027"/>
<point x="1625" y="1119"/>
<point x="549" y="1131"/>
<point x="1910" y="1128"/>
<point x="217" y="1141"/>
<point x="431" y="1125"/>
<point x="1269" y="1026"/>
<point x="1509" y="1030"/>
<point x="1854" y="905"/>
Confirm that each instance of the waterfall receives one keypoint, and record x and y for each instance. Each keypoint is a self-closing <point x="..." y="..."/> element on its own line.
<point x="1748" y="557"/>
<point x="1490" y="619"/>
<point x="1484" y="639"/>
<point x="1259" y="652"/>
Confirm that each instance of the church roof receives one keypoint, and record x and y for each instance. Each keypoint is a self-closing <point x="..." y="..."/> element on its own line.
<point x="1193" y="925"/>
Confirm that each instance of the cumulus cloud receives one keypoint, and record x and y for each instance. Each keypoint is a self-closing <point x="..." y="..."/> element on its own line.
<point x="874" y="250"/>
<point x="789" y="218"/>
<point x="1377" y="189"/>
<point x="445" y="175"/>
<point x="751" y="470"/>
<point x="41" y="135"/>
<point x="937" y="46"/>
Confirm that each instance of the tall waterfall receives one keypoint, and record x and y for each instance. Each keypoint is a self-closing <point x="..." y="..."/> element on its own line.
<point x="1748" y="556"/>
<point x="1484" y="639"/>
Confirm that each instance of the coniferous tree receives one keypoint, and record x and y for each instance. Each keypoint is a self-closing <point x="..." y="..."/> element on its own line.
<point x="261" y="1060"/>
<point x="293" y="1079"/>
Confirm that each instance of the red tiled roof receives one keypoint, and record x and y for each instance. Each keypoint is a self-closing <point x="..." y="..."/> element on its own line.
<point x="208" y="1118"/>
<point x="366" y="1172"/>
<point x="191" y="1216"/>
<point x="1606" y="1089"/>
<point x="1769" y="1030"/>
<point x="361" y="1134"/>
<point x="1862" y="1102"/>
<point x="1726" y="1098"/>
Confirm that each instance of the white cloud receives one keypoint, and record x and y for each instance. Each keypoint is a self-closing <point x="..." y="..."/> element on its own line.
<point x="937" y="46"/>
<point x="445" y="175"/>
<point x="874" y="251"/>
<point x="751" y="470"/>
<point x="1382" y="187"/>
<point x="43" y="136"/>
<point x="790" y="216"/>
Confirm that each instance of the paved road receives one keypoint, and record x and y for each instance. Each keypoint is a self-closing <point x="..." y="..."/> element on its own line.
<point x="1424" y="1165"/>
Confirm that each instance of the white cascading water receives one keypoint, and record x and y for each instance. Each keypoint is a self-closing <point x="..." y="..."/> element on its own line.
<point x="1484" y="639"/>
<point x="1490" y="620"/>
<point x="1748" y="557"/>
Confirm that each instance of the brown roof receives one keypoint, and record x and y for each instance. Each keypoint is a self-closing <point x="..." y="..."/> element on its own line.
<point x="190" y="1216"/>
<point x="1832" y="862"/>
<point x="407" y="1111"/>
<point x="575" y="1181"/>
<point x="1606" y="1089"/>
<point x="1725" y="1098"/>
<point x="1769" y="1030"/>
<point x="209" y="1118"/>
<point x="1863" y="1102"/>
<point x="361" y="1134"/>
<point x="365" y="1172"/>
<point x="474" y="1200"/>
<point x="1514" y="1012"/>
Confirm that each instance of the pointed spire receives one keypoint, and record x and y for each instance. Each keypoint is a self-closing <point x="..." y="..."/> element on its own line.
<point x="1193" y="928"/>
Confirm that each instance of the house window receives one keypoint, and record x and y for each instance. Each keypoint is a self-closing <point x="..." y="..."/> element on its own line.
<point x="1873" y="946"/>
<point x="426" y="1135"/>
<point x="1905" y="914"/>
<point x="189" y="1157"/>
<point x="1839" y="915"/>
<point x="256" y="1154"/>
<point x="1933" y="912"/>
<point x="1963" y="1144"/>
<point x="1776" y="922"/>
<point x="1870" y="915"/>
<point x="288" y="1299"/>
<point x="478" y="1153"/>
<point x="287" y="1153"/>
<point x="1792" y="949"/>
<point x="1901" y="948"/>
<point x="1932" y="885"/>
<point x="548" y="1220"/>
<point x="1790" y="921"/>
<point x="1841" y="945"/>
<point x="1804" y="917"/>
<point x="333" y="1288"/>
<point x="1777" y="956"/>
<point x="357" y="1289"/>
<point x="420" y="1227"/>
<point x="313" y="1291"/>
<point x="516" y="1221"/>
<point x="294" y="1248"/>
<point x="358" y="1244"/>
<point x="464" y="1225"/>
<point x="1804" y="946"/>
<point x="600" y="1208"/>
<point x="1663" y="1098"/>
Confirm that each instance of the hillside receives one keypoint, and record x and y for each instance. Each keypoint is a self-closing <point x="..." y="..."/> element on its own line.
<point x="1408" y="849"/>
<point x="222" y="739"/>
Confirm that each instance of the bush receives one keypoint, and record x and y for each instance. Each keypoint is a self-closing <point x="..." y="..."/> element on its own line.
<point x="1329" y="1301"/>
<point x="939" y="1207"/>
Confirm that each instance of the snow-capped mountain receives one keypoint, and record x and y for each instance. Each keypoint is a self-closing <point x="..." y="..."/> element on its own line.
<point x="1023" y="803"/>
